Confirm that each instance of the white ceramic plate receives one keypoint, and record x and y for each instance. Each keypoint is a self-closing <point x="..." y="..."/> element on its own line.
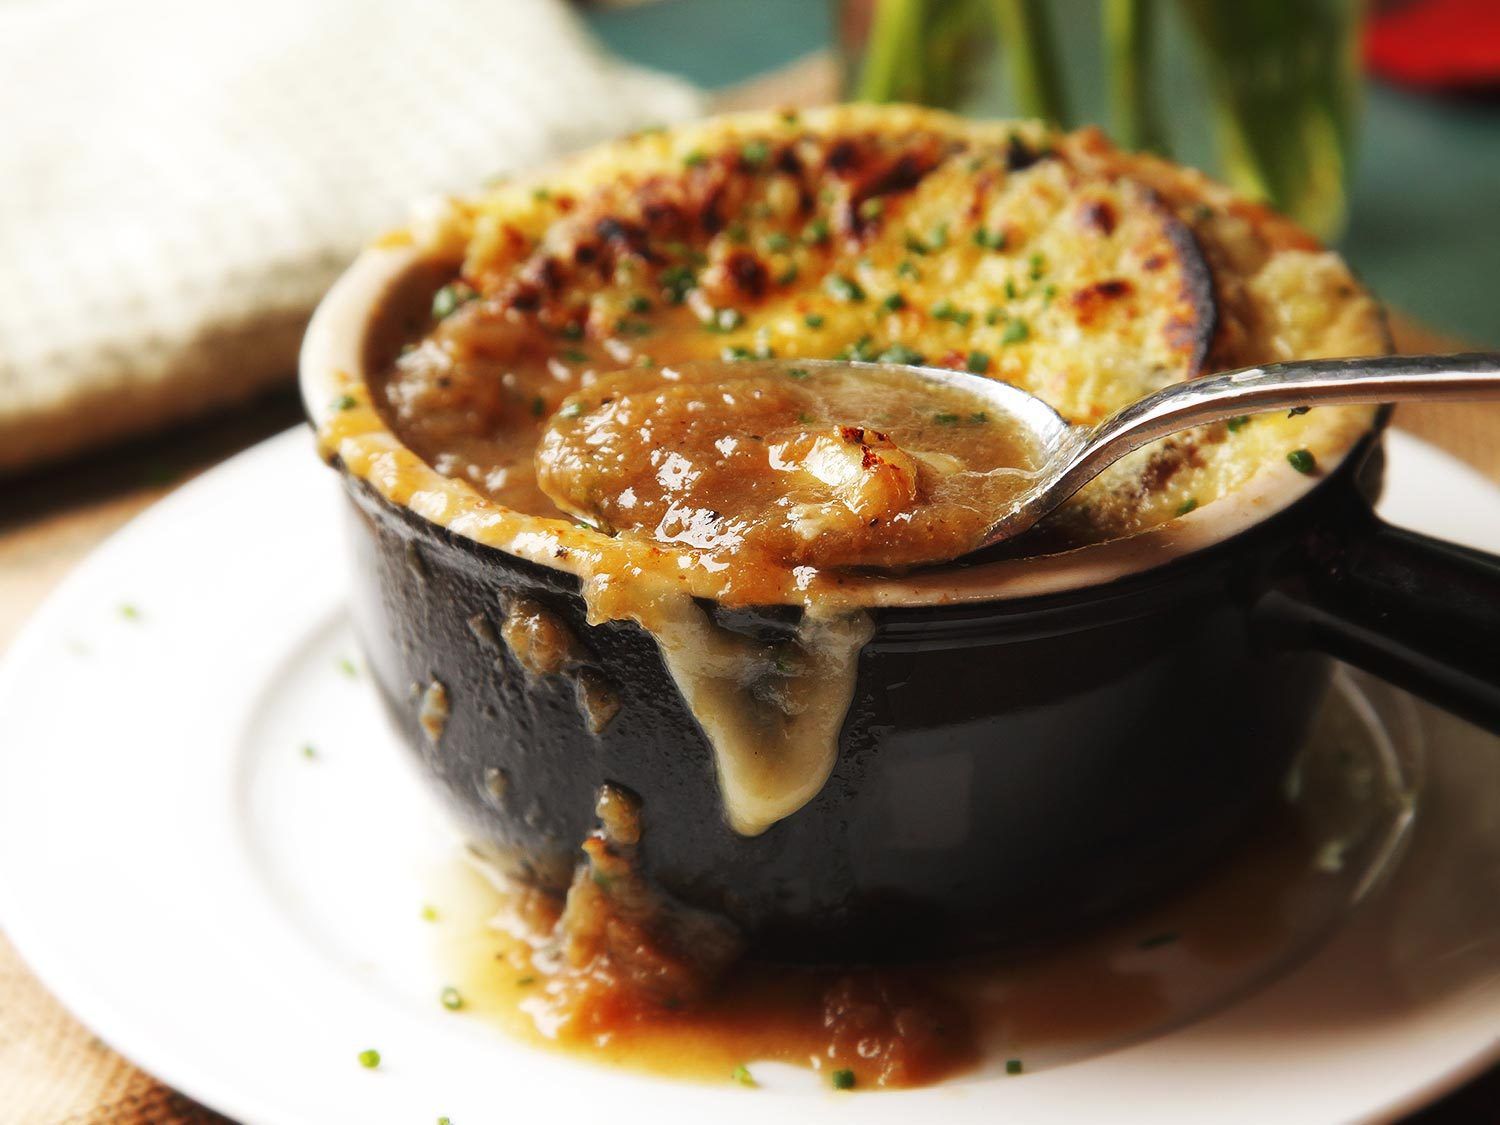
<point x="241" y="920"/>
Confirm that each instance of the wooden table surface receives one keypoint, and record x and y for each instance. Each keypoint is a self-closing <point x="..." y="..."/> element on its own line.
<point x="54" y="1070"/>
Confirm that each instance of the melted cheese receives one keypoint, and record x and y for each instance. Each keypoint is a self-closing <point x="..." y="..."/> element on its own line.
<point x="773" y="722"/>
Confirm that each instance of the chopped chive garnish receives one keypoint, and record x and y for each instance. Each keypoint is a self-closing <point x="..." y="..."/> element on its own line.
<point x="541" y="194"/>
<point x="755" y="153"/>
<point x="977" y="362"/>
<point x="935" y="240"/>
<point x="797" y="373"/>
<point x="894" y="301"/>
<point x="842" y="1079"/>
<point x="871" y="209"/>
<point x="788" y="275"/>
<point x="1013" y="1066"/>
<point x="695" y="158"/>
<point x="633" y="328"/>
<point x="347" y="667"/>
<point x="308" y="751"/>
<point x="1049" y="291"/>
<point x="1157" y="940"/>
<point x="724" y="320"/>
<point x="815" y="233"/>
<point x="789" y="116"/>
<point x="946" y="310"/>
<point x="908" y="270"/>
<point x="778" y="241"/>
<point x="737" y="233"/>
<point x="451" y="999"/>
<point x="1016" y="332"/>
<point x="993" y="316"/>
<point x="860" y="350"/>
<point x="900" y="353"/>
<point x="805" y="418"/>
<point x="945" y="419"/>
<point x="638" y="304"/>
<point x="989" y="239"/>
<point x="676" y="281"/>
<point x="1237" y="423"/>
<point x="979" y="418"/>
<point x="369" y="1059"/>
<point x="524" y="981"/>
<point x="572" y="331"/>
<point x="1038" y="265"/>
<point x="813" y="320"/>
<point x="573" y="355"/>
<point x="1187" y="505"/>
<point x="742" y="1075"/>
<point x="1302" y="460"/>
<point x="1010" y="289"/>
<point x="843" y="288"/>
<point x="538" y="406"/>
<point x="345" y="402"/>
<point x="450" y="297"/>
<point x="734" y="354"/>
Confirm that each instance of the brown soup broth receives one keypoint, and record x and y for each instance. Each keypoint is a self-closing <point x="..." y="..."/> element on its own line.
<point x="782" y="465"/>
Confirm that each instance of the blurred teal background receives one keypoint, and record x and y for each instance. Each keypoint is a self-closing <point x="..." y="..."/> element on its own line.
<point x="1424" y="226"/>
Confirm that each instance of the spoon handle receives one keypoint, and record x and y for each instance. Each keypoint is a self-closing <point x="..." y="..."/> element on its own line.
<point x="1305" y="383"/>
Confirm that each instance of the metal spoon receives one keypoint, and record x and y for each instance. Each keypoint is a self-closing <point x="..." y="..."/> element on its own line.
<point x="1075" y="455"/>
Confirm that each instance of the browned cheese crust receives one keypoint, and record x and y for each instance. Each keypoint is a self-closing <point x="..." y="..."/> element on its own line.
<point x="1086" y="275"/>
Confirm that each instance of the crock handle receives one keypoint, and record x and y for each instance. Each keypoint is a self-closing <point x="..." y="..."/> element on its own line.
<point x="1417" y="611"/>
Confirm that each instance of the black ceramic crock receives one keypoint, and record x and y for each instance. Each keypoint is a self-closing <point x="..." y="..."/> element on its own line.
<point x="1008" y="768"/>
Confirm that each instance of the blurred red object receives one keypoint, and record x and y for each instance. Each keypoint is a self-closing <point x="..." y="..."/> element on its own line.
<point x="1435" y="44"/>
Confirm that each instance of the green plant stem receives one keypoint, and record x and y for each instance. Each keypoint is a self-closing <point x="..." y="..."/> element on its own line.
<point x="1129" y="30"/>
<point x="892" y="66"/>
<point x="1284" y="80"/>
<point x="922" y="51"/>
<point x="1031" y="59"/>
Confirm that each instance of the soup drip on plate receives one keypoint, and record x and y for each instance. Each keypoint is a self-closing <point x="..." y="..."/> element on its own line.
<point x="617" y="976"/>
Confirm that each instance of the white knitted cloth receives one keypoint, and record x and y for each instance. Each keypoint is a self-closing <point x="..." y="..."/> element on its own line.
<point x="181" y="179"/>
